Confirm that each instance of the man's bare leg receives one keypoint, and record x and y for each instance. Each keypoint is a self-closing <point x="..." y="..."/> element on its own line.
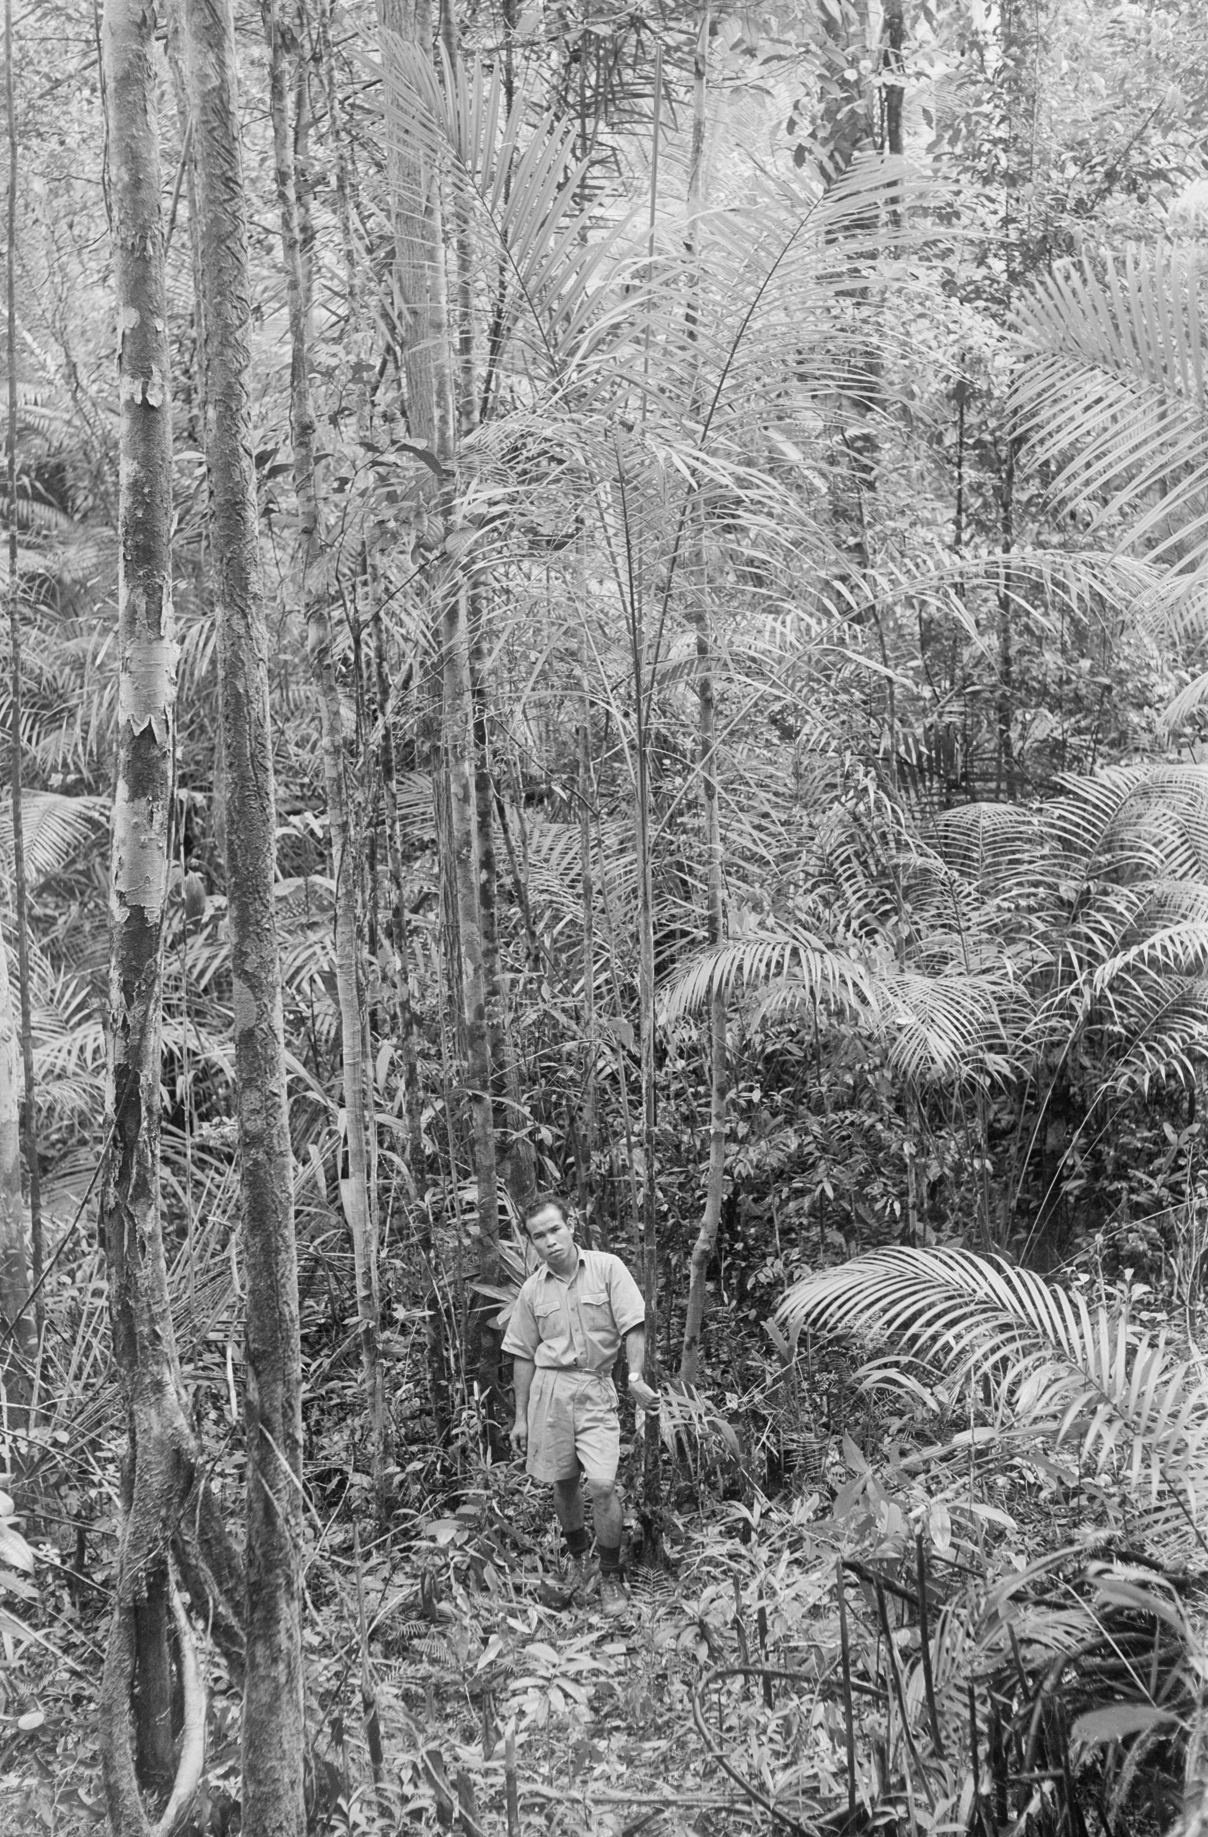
<point x="568" y="1503"/>
<point x="607" y="1513"/>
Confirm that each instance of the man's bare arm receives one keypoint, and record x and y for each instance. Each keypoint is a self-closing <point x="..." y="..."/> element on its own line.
<point x="635" y="1356"/>
<point x="522" y="1383"/>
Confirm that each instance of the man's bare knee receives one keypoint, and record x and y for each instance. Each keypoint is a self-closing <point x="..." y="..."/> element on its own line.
<point x="601" y="1491"/>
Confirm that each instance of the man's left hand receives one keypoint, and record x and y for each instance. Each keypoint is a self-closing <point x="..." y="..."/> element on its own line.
<point x="643" y="1395"/>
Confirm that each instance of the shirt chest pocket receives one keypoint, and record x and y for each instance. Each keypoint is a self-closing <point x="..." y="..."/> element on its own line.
<point x="547" y="1311"/>
<point x="597" y="1311"/>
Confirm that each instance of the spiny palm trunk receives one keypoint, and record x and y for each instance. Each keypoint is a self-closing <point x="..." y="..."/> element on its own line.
<point x="408" y="1049"/>
<point x="432" y="406"/>
<point x="719" y="1083"/>
<point x="138" y="1745"/>
<point x="509" y="1110"/>
<point x="651" y="1480"/>
<point x="505" y="1075"/>
<point x="588" y="900"/>
<point x="651" y="1509"/>
<point x="273" y="1721"/>
<point x="356" y="1190"/>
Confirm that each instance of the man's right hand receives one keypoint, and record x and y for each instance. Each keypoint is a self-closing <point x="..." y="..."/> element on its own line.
<point x="519" y="1435"/>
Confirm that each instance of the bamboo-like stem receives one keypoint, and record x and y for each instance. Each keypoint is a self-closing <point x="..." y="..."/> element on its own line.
<point x="458" y="721"/>
<point x="849" y="1714"/>
<point x="925" y="1647"/>
<point x="356" y="1190"/>
<point x="706" y="1240"/>
<point x="587" y="901"/>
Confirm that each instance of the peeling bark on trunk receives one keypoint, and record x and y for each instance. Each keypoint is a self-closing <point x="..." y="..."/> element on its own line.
<point x="273" y="1718"/>
<point x="137" y="1743"/>
<point x="356" y="1189"/>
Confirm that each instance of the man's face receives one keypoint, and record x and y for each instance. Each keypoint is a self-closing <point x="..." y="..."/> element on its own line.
<point x="553" y="1238"/>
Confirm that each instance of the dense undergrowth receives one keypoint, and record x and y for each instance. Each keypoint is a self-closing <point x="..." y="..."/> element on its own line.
<point x="888" y="1609"/>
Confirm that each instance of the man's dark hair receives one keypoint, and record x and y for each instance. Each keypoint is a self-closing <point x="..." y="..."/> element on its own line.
<point x="540" y="1203"/>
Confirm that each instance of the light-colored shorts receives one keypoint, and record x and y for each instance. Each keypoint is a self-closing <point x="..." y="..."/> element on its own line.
<point x="573" y="1424"/>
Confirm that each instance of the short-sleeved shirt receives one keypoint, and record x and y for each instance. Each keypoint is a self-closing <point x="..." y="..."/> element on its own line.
<point x="575" y="1323"/>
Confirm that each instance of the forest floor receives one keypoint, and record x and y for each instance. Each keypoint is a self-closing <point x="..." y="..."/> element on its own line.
<point x="443" y="1652"/>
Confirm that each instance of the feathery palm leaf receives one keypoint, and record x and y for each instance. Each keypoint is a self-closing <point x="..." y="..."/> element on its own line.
<point x="1056" y="1369"/>
<point x="1113" y="386"/>
<point x="55" y="830"/>
<point x="521" y="180"/>
<point x="796" y="959"/>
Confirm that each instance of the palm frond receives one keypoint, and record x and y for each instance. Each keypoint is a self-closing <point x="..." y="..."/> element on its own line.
<point x="944" y="1025"/>
<point x="522" y="179"/>
<point x="800" y="961"/>
<point x="1112" y="387"/>
<point x="55" y="830"/>
<point x="1057" y="1370"/>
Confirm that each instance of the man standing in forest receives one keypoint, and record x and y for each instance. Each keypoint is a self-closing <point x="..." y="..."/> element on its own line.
<point x="565" y="1332"/>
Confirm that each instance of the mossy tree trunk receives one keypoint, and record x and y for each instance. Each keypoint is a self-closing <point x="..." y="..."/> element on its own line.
<point x="144" y="1769"/>
<point x="273" y="1718"/>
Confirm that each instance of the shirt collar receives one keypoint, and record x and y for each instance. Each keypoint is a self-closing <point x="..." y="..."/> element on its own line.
<point x="546" y="1270"/>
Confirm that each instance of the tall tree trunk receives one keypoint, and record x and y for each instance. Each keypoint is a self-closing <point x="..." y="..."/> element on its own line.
<point x="432" y="414"/>
<point x="137" y="1740"/>
<point x="16" y="1322"/>
<point x="587" y="891"/>
<point x="719" y="1087"/>
<point x="273" y="1720"/>
<point x="509" y="1108"/>
<point x="356" y="1189"/>
<point x="706" y="1239"/>
<point x="407" y="1045"/>
<point x="459" y="718"/>
<point x="16" y="737"/>
<point x="652" y="1488"/>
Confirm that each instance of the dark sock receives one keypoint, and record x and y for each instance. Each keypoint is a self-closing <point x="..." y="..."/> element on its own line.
<point x="610" y="1559"/>
<point x="577" y="1541"/>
